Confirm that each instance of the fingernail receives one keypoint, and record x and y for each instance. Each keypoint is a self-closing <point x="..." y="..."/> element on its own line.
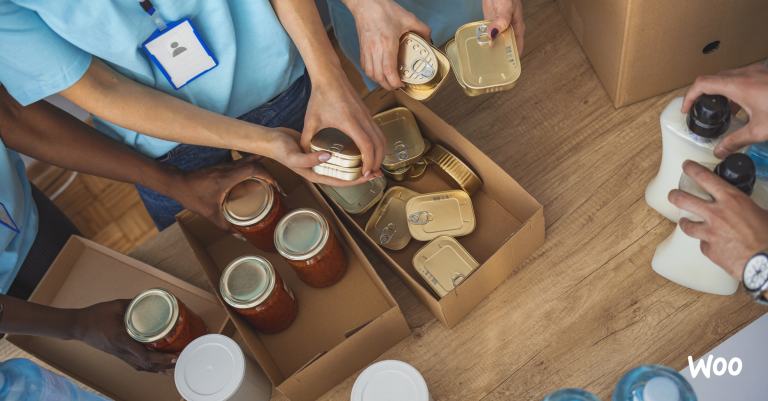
<point x="494" y="33"/>
<point x="367" y="173"/>
<point x="324" y="157"/>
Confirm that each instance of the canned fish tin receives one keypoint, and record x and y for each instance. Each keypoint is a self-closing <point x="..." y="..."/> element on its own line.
<point x="357" y="199"/>
<point x="256" y="291"/>
<point x="342" y="173"/>
<point x="482" y="67"/>
<point x="253" y="207"/>
<point x="305" y="239"/>
<point x="161" y="322"/>
<point x="388" y="225"/>
<point x="422" y="67"/>
<point x="344" y="152"/>
<point x="444" y="264"/>
<point x="441" y="213"/>
<point x="405" y="144"/>
<point x="455" y="169"/>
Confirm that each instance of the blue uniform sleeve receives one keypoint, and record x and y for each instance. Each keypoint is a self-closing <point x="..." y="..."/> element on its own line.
<point x="35" y="62"/>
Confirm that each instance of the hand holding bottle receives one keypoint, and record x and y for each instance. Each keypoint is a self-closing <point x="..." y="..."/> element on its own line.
<point x="733" y="228"/>
<point x="748" y="88"/>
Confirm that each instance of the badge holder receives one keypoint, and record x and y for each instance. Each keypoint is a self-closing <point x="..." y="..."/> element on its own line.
<point x="7" y="221"/>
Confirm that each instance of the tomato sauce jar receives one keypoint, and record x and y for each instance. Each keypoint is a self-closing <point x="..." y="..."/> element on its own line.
<point x="161" y="322"/>
<point x="305" y="239"/>
<point x="254" y="207"/>
<point x="253" y="287"/>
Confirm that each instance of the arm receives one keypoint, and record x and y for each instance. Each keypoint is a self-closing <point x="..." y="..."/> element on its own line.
<point x="49" y="134"/>
<point x="107" y="94"/>
<point x="333" y="102"/>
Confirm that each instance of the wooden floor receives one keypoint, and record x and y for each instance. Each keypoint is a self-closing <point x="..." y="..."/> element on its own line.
<point x="586" y="307"/>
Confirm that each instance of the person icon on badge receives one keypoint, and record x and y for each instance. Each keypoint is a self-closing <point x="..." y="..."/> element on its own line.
<point x="177" y="49"/>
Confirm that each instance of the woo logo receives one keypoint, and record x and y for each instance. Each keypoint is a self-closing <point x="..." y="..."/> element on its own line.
<point x="717" y="366"/>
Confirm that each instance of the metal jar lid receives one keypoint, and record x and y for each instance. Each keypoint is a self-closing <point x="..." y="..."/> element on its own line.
<point x="301" y="234"/>
<point x="151" y="315"/>
<point x="248" y="202"/>
<point x="247" y="282"/>
<point x="344" y="152"/>
<point x="456" y="169"/>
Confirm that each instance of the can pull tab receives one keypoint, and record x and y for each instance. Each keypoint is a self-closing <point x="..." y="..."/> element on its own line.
<point x="387" y="233"/>
<point x="420" y="218"/>
<point x="482" y="35"/>
<point x="401" y="150"/>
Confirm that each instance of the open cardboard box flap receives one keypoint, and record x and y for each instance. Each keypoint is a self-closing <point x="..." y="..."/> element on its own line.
<point x="339" y="329"/>
<point x="510" y="222"/>
<point x="85" y="273"/>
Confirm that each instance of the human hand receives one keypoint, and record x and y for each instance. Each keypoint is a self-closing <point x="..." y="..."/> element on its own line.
<point x="102" y="327"/>
<point x="380" y="25"/>
<point x="286" y="150"/>
<point x="336" y="105"/>
<point x="502" y="14"/>
<point x="748" y="88"/>
<point x="733" y="228"/>
<point x="203" y="191"/>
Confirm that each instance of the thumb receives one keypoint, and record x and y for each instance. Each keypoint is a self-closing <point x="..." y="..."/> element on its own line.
<point x="307" y="160"/>
<point x="734" y="142"/>
<point x="498" y="25"/>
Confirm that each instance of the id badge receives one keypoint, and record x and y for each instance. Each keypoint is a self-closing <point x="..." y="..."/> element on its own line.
<point x="180" y="53"/>
<point x="6" y="219"/>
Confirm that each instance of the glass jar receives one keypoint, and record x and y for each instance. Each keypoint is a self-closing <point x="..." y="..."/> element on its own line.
<point x="253" y="287"/>
<point x="305" y="239"/>
<point x="157" y="319"/>
<point x="253" y="207"/>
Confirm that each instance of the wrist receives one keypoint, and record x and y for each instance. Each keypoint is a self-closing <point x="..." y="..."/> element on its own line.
<point x="77" y="324"/>
<point x="357" y="6"/>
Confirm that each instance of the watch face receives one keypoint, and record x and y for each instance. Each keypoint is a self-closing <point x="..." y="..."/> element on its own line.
<point x="756" y="272"/>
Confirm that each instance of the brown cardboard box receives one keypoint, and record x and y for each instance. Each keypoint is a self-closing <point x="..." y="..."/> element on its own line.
<point x="644" y="48"/>
<point x="510" y="222"/>
<point x="86" y="273"/>
<point x="339" y="329"/>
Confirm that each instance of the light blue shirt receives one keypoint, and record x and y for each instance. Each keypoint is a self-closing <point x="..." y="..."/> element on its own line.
<point x="16" y="198"/>
<point x="46" y="46"/>
<point x="442" y="16"/>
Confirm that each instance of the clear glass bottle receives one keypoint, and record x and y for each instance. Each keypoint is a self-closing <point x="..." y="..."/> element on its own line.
<point x="653" y="383"/>
<point x="571" y="394"/>
<point x="23" y="380"/>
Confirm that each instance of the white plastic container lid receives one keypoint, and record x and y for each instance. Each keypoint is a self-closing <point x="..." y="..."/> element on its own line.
<point x="390" y="381"/>
<point x="210" y="368"/>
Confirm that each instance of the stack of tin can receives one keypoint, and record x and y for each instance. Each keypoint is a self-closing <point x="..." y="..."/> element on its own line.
<point x="346" y="160"/>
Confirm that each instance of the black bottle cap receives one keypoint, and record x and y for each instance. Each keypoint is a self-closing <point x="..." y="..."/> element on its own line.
<point x="739" y="170"/>
<point x="710" y="116"/>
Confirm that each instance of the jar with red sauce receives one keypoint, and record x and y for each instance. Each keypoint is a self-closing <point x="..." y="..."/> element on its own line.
<point x="253" y="287"/>
<point x="305" y="239"/>
<point x="254" y="207"/>
<point x="161" y="322"/>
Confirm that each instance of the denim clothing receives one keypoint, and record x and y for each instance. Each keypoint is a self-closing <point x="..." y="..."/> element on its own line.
<point x="285" y="110"/>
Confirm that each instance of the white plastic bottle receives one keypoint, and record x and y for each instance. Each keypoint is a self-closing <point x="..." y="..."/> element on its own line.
<point x="388" y="381"/>
<point x="679" y="258"/>
<point x="687" y="137"/>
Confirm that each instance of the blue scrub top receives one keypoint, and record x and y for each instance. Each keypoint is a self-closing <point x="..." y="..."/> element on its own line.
<point x="444" y="17"/>
<point x="16" y="199"/>
<point x="46" y="46"/>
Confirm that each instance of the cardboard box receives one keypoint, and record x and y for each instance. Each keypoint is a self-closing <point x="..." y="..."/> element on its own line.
<point x="338" y="331"/>
<point x="510" y="222"/>
<point x="85" y="273"/>
<point x="640" y="49"/>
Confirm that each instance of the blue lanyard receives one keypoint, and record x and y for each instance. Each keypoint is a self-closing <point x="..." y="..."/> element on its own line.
<point x="150" y="9"/>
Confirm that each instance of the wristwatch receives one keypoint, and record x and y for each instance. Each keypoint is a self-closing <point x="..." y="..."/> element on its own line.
<point x="755" y="278"/>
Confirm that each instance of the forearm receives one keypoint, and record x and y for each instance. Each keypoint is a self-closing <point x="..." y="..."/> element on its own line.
<point x="302" y="22"/>
<point x="107" y="94"/>
<point x="22" y="317"/>
<point x="49" y="134"/>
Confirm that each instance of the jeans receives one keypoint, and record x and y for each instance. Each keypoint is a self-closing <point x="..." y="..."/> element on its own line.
<point x="53" y="231"/>
<point x="285" y="110"/>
